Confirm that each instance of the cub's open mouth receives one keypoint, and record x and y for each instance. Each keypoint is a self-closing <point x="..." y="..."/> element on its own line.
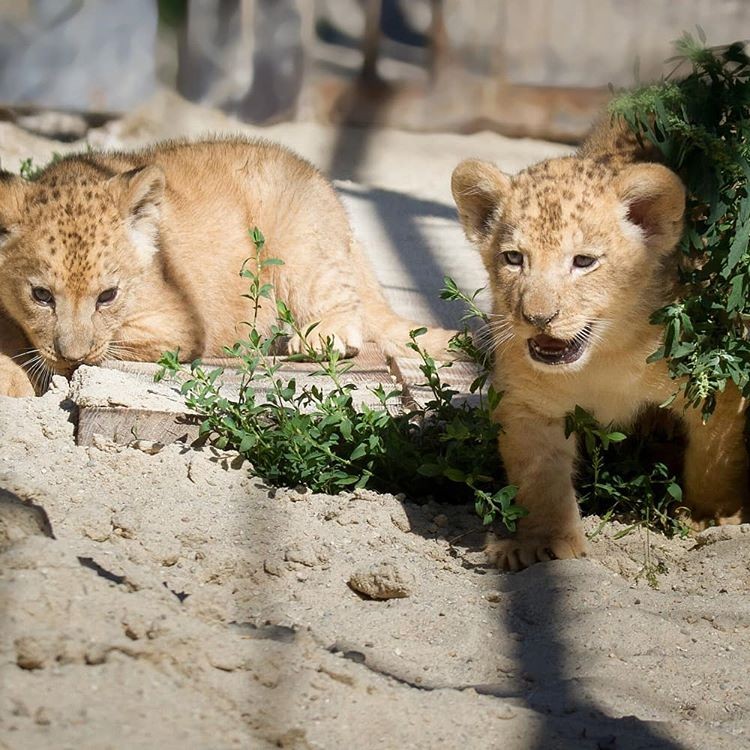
<point x="552" y="351"/>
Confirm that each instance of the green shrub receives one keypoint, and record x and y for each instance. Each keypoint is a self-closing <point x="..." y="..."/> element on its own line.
<point x="701" y="126"/>
<point x="321" y="439"/>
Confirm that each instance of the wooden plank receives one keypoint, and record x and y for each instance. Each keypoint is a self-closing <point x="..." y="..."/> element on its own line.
<point x="123" y="425"/>
<point x="369" y="360"/>
<point x="121" y="402"/>
<point x="457" y="375"/>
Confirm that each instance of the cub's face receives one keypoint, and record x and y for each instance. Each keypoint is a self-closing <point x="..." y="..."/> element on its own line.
<point x="73" y="249"/>
<point x="574" y="251"/>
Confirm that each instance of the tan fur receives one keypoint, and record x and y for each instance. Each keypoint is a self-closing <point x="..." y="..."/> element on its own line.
<point x="605" y="202"/>
<point x="168" y="228"/>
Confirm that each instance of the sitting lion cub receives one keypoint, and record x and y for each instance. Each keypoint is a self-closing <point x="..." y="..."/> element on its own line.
<point x="129" y="255"/>
<point x="580" y="251"/>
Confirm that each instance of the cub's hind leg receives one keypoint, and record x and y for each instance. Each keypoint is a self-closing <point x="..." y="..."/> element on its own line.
<point x="716" y="462"/>
<point x="321" y="283"/>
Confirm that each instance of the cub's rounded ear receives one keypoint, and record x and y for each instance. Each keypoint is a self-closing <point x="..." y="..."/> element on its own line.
<point x="13" y="190"/>
<point x="141" y="188"/>
<point x="654" y="201"/>
<point x="140" y="197"/>
<point x="479" y="190"/>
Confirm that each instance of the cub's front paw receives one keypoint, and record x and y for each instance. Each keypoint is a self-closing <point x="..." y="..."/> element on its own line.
<point x="521" y="551"/>
<point x="15" y="382"/>
<point x="345" y="338"/>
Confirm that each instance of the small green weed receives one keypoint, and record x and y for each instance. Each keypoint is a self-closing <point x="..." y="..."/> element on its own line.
<point x="324" y="440"/>
<point x="619" y="478"/>
<point x="29" y="171"/>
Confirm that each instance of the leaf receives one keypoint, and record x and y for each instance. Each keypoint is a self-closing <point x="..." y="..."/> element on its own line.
<point x="675" y="491"/>
<point x="429" y="470"/>
<point x="454" y="474"/>
<point x="738" y="248"/>
<point x="358" y="452"/>
<point x="616" y="437"/>
<point x="248" y="441"/>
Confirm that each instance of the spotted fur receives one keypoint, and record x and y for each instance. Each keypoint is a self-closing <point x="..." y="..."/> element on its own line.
<point x="613" y="203"/>
<point x="167" y="227"/>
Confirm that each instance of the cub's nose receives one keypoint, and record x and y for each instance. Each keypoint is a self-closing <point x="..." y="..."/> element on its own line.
<point x="540" y="320"/>
<point x="73" y="352"/>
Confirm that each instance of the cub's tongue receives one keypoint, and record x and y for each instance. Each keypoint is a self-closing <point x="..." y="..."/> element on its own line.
<point x="550" y="344"/>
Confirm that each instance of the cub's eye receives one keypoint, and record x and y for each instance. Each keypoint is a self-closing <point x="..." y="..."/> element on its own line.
<point x="43" y="296"/>
<point x="107" y="296"/>
<point x="513" y="258"/>
<point x="583" y="261"/>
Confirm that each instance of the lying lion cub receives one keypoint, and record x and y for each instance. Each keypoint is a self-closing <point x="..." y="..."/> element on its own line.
<point x="129" y="255"/>
<point x="580" y="251"/>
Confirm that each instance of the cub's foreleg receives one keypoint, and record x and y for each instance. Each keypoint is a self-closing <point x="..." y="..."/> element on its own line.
<point x="539" y="460"/>
<point x="14" y="380"/>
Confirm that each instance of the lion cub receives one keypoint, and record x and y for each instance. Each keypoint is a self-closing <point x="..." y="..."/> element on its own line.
<point x="580" y="251"/>
<point x="128" y="255"/>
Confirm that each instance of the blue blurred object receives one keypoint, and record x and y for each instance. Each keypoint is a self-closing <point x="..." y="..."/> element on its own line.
<point x="75" y="54"/>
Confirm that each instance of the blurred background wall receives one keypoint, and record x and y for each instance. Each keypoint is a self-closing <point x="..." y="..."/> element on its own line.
<point x="522" y="67"/>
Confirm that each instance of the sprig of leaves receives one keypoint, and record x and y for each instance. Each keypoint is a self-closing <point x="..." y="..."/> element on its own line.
<point x="324" y="439"/>
<point x="701" y="126"/>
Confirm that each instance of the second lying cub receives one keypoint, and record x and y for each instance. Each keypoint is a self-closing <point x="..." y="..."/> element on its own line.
<point x="133" y="254"/>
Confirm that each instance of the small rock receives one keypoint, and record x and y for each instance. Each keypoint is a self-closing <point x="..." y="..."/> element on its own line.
<point x="97" y="653"/>
<point x="41" y="717"/>
<point x="104" y="444"/>
<point x="401" y="521"/>
<point x="97" y="523"/>
<point x="170" y="558"/>
<point x="272" y="567"/>
<point x="384" y="580"/>
<point x="714" y="534"/>
<point x="150" y="447"/>
<point x="126" y="523"/>
<point x="504" y="711"/>
<point x="31" y="653"/>
<point x="304" y="554"/>
<point x="225" y="656"/>
<point x="441" y="520"/>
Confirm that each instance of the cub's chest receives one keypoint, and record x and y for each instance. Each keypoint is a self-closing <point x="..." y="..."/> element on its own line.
<point x="613" y="392"/>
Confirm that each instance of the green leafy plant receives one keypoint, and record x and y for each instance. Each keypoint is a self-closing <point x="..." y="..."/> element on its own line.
<point x="29" y="171"/>
<point x="701" y="125"/>
<point x="324" y="438"/>
<point x="620" y="477"/>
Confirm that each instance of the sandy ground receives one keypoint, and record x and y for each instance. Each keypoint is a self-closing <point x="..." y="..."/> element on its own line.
<point x="172" y="600"/>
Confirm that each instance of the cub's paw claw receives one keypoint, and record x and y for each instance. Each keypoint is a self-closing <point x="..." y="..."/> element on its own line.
<point x="520" y="552"/>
